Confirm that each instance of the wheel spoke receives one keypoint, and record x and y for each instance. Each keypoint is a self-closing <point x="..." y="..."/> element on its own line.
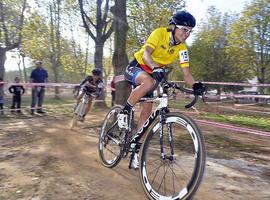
<point x="158" y="167"/>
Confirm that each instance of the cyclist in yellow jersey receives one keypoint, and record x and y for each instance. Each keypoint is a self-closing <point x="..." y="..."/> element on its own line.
<point x="163" y="46"/>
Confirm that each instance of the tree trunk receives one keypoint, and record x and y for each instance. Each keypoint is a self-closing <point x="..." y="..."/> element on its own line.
<point x="261" y="79"/>
<point x="24" y="70"/>
<point x="120" y="59"/>
<point x="100" y="103"/>
<point x="20" y="70"/>
<point x="55" y="43"/>
<point x="2" y="62"/>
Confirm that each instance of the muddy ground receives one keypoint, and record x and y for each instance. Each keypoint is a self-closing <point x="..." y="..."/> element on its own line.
<point x="41" y="159"/>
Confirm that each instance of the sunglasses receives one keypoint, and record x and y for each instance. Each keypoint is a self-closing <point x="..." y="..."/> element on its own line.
<point x="185" y="29"/>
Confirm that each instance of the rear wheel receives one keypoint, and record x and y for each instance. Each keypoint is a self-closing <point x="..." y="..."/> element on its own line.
<point x="177" y="174"/>
<point x="111" y="139"/>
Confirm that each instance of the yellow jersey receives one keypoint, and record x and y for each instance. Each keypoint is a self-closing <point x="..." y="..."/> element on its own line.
<point x="163" y="53"/>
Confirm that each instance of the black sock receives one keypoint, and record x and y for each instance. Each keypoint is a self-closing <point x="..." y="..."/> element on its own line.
<point x="128" y="107"/>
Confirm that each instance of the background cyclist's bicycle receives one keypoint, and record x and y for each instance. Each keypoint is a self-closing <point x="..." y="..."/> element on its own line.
<point x="172" y="155"/>
<point x="81" y="108"/>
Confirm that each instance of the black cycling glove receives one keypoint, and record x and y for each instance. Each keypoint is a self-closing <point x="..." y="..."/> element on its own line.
<point x="198" y="88"/>
<point x="158" y="74"/>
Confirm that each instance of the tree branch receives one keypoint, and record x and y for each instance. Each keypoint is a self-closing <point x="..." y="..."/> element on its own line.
<point x="2" y="20"/>
<point x="107" y="35"/>
<point x="83" y="15"/>
<point x="105" y="15"/>
<point x="21" y="22"/>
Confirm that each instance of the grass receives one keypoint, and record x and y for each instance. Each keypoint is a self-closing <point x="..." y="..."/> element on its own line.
<point x="65" y="105"/>
<point x="245" y="120"/>
<point x="237" y="119"/>
<point x="220" y="146"/>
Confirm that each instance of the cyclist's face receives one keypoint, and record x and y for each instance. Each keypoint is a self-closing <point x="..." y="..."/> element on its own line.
<point x="95" y="77"/>
<point x="182" y="33"/>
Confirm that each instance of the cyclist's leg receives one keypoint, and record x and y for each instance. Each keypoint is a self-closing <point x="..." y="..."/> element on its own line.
<point x="141" y="80"/>
<point x="145" y="109"/>
<point x="89" y="105"/>
<point x="145" y="83"/>
<point x="80" y="95"/>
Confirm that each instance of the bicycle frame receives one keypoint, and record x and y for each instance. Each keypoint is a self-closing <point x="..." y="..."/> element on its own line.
<point x="160" y="110"/>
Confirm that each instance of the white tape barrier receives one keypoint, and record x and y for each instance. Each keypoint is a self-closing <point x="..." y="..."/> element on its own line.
<point x="68" y="85"/>
<point x="234" y="128"/>
<point x="231" y="83"/>
<point x="120" y="78"/>
<point x="242" y="96"/>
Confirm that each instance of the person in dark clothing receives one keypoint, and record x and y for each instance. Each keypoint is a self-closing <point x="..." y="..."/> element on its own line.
<point x="91" y="85"/>
<point x="38" y="75"/>
<point x="17" y="90"/>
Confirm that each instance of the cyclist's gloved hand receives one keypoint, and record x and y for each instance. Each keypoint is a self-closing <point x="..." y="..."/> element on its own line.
<point x="198" y="88"/>
<point x="158" y="74"/>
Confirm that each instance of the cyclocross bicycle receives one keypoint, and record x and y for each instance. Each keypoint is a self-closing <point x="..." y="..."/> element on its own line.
<point x="172" y="155"/>
<point x="80" y="109"/>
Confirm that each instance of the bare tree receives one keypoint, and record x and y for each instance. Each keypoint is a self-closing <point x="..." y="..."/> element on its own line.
<point x="10" y="30"/>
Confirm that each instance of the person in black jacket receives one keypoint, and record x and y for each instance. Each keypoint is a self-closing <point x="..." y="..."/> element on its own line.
<point x="17" y="90"/>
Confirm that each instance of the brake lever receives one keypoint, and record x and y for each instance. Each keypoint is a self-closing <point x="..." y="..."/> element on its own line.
<point x="194" y="101"/>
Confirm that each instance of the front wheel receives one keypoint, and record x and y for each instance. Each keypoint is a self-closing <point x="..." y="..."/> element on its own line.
<point x="111" y="139"/>
<point x="73" y="122"/>
<point x="78" y="114"/>
<point x="176" y="173"/>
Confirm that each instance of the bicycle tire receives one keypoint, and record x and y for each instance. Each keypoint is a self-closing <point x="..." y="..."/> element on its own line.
<point x="108" y="139"/>
<point x="74" y="120"/>
<point x="82" y="109"/>
<point x="76" y="115"/>
<point x="185" y="170"/>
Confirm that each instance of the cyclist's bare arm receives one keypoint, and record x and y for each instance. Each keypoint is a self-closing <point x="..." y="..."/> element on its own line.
<point x="92" y="86"/>
<point x="188" y="76"/>
<point x="147" y="58"/>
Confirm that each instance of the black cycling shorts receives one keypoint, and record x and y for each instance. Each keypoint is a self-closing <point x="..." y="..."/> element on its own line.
<point x="131" y="73"/>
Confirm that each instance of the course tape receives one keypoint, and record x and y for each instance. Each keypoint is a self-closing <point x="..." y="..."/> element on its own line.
<point x="231" y="83"/>
<point x="242" y="96"/>
<point x="202" y="122"/>
<point x="121" y="77"/>
<point x="68" y="85"/>
<point x="234" y="128"/>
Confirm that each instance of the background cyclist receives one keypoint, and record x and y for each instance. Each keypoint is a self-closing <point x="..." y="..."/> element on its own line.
<point x="92" y="86"/>
<point x="163" y="46"/>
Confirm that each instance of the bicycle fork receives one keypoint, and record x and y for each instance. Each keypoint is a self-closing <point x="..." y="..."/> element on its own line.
<point x="162" y="121"/>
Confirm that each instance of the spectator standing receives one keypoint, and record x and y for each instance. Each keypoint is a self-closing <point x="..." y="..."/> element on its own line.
<point x="17" y="90"/>
<point x="113" y="90"/>
<point x="1" y="96"/>
<point x="38" y="75"/>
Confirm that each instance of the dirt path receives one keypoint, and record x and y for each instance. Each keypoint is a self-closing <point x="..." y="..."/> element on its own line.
<point x="41" y="159"/>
